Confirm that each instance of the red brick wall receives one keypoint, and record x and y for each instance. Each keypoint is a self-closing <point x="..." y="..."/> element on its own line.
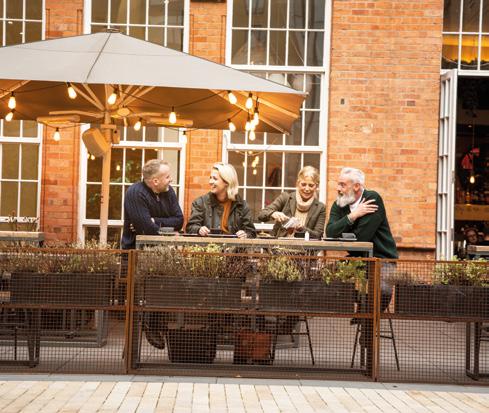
<point x="384" y="96"/>
<point x="207" y="40"/>
<point x="59" y="184"/>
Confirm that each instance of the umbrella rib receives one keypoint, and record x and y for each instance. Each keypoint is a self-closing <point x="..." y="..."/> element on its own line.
<point x="273" y="106"/>
<point x="16" y="86"/>
<point x="262" y="118"/>
<point x="96" y="101"/>
<point x="140" y="91"/>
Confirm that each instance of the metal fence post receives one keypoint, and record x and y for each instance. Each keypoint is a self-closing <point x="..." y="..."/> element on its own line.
<point x="129" y="327"/>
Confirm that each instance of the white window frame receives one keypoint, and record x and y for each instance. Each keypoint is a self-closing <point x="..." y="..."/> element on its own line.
<point x="181" y="145"/>
<point x="9" y="139"/>
<point x="324" y="70"/>
<point x="460" y="34"/>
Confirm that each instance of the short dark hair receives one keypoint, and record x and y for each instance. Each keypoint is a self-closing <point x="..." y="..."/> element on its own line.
<point x="152" y="167"/>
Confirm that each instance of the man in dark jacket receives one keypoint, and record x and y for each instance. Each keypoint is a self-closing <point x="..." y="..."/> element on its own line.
<point x="150" y="204"/>
<point x="362" y="212"/>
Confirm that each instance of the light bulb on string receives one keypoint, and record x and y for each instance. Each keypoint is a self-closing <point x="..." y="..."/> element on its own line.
<point x="472" y="179"/>
<point x="137" y="125"/>
<point x="72" y="92"/>
<point x="232" y="98"/>
<point x="113" y="97"/>
<point x="254" y="172"/>
<point x="117" y="167"/>
<point x="249" y="102"/>
<point x="248" y="126"/>
<point x="184" y="137"/>
<point x="256" y="117"/>
<point x="12" y="102"/>
<point x="9" y="116"/>
<point x="56" y="135"/>
<point x="231" y="126"/>
<point x="173" y="116"/>
<point x="251" y="135"/>
<point x="92" y="157"/>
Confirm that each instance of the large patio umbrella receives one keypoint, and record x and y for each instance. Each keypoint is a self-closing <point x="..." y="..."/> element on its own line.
<point x="150" y="84"/>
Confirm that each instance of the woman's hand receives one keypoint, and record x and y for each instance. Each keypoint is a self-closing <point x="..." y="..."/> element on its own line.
<point x="280" y="217"/>
<point x="204" y="231"/>
<point x="241" y="234"/>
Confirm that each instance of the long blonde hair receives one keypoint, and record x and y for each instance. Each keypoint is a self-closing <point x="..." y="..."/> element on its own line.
<point x="228" y="175"/>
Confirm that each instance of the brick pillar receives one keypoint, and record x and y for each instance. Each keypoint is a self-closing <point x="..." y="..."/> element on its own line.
<point x="385" y="77"/>
<point x="207" y="40"/>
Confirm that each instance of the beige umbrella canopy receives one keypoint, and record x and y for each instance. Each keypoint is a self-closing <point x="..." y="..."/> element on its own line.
<point x="147" y="83"/>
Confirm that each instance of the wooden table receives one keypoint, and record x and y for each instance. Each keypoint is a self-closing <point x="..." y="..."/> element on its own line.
<point x="366" y="248"/>
<point x="478" y="251"/>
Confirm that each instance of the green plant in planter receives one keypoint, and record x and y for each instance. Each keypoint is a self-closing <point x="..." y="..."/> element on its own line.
<point x="346" y="272"/>
<point x="280" y="268"/>
<point x="470" y="273"/>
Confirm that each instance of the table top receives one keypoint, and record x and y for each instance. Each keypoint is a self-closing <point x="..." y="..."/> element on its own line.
<point x="366" y="247"/>
<point x="478" y="250"/>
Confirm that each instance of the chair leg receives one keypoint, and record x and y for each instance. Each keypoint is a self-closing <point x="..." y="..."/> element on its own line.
<point x="355" y="346"/>
<point x="309" y="340"/>
<point x="394" y="345"/>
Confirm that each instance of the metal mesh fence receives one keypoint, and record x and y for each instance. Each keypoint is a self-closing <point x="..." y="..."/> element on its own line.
<point x="59" y="311"/>
<point x="227" y="312"/>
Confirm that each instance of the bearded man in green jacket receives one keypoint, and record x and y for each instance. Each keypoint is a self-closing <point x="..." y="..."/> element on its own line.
<point x="362" y="212"/>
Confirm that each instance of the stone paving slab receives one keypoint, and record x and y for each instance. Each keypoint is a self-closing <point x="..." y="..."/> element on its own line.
<point x="147" y="394"/>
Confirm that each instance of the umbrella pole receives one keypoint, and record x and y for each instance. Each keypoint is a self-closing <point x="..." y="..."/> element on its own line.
<point x="104" y="200"/>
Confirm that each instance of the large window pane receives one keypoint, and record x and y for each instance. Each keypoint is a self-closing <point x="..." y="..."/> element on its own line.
<point x="116" y="163"/>
<point x="10" y="161"/>
<point x="33" y="32"/>
<point x="118" y="12"/>
<point x="295" y="136"/>
<point x="277" y="48"/>
<point x="13" y="33"/>
<point x="450" y="51"/>
<point x="258" y="47"/>
<point x="133" y="165"/>
<point x="274" y="169"/>
<point x="94" y="169"/>
<point x="485" y="53"/>
<point x="292" y="168"/>
<point x="30" y="129"/>
<point x="99" y="11"/>
<point x="311" y="128"/>
<point x="237" y="160"/>
<point x="469" y="52"/>
<point x="296" y="49"/>
<point x="156" y="12"/>
<point x="28" y="199"/>
<point x="470" y="20"/>
<point x="316" y="14"/>
<point x="312" y="159"/>
<point x="93" y="202"/>
<point x="12" y="128"/>
<point x="240" y="47"/>
<point x="254" y="200"/>
<point x="270" y="196"/>
<point x="8" y="197"/>
<point x="33" y="9"/>
<point x="451" y="16"/>
<point x="14" y="9"/>
<point x="278" y="14"/>
<point x="297" y="14"/>
<point x="173" y="158"/>
<point x="138" y="32"/>
<point x="156" y="35"/>
<point x="313" y="87"/>
<point x="315" y="47"/>
<point x="241" y="13"/>
<point x="115" y="202"/>
<point x="30" y="163"/>
<point x="259" y="16"/>
<point x="137" y="12"/>
<point x="485" y="17"/>
<point x="175" y="12"/>
<point x="174" y="39"/>
<point x="254" y="173"/>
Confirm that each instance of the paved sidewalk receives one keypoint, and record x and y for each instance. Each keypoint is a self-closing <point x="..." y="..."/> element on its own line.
<point x="63" y="393"/>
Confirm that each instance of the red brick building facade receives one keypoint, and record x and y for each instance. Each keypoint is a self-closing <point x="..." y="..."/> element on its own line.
<point x="382" y="66"/>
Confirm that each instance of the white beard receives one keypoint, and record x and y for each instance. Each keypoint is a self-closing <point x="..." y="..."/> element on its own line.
<point x="344" y="200"/>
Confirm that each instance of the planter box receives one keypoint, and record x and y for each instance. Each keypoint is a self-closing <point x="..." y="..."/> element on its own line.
<point x="90" y="289"/>
<point x="307" y="296"/>
<point x="163" y="291"/>
<point x="191" y="345"/>
<point x="442" y="300"/>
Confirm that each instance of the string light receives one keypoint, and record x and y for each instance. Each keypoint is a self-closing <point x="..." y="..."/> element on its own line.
<point x="256" y="117"/>
<point x="251" y="135"/>
<point x="9" y="116"/>
<point x="137" y="125"/>
<point x="254" y="172"/>
<point x="56" y="135"/>
<point x="249" y="101"/>
<point x="472" y="179"/>
<point x="173" y="116"/>
<point x="72" y="92"/>
<point x="92" y="157"/>
<point x="113" y="97"/>
<point x="232" y="98"/>
<point x="117" y="167"/>
<point x="12" y="102"/>
<point x="231" y="126"/>
<point x="184" y="137"/>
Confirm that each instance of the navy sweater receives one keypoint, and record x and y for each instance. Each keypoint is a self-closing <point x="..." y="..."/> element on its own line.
<point x="140" y="205"/>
